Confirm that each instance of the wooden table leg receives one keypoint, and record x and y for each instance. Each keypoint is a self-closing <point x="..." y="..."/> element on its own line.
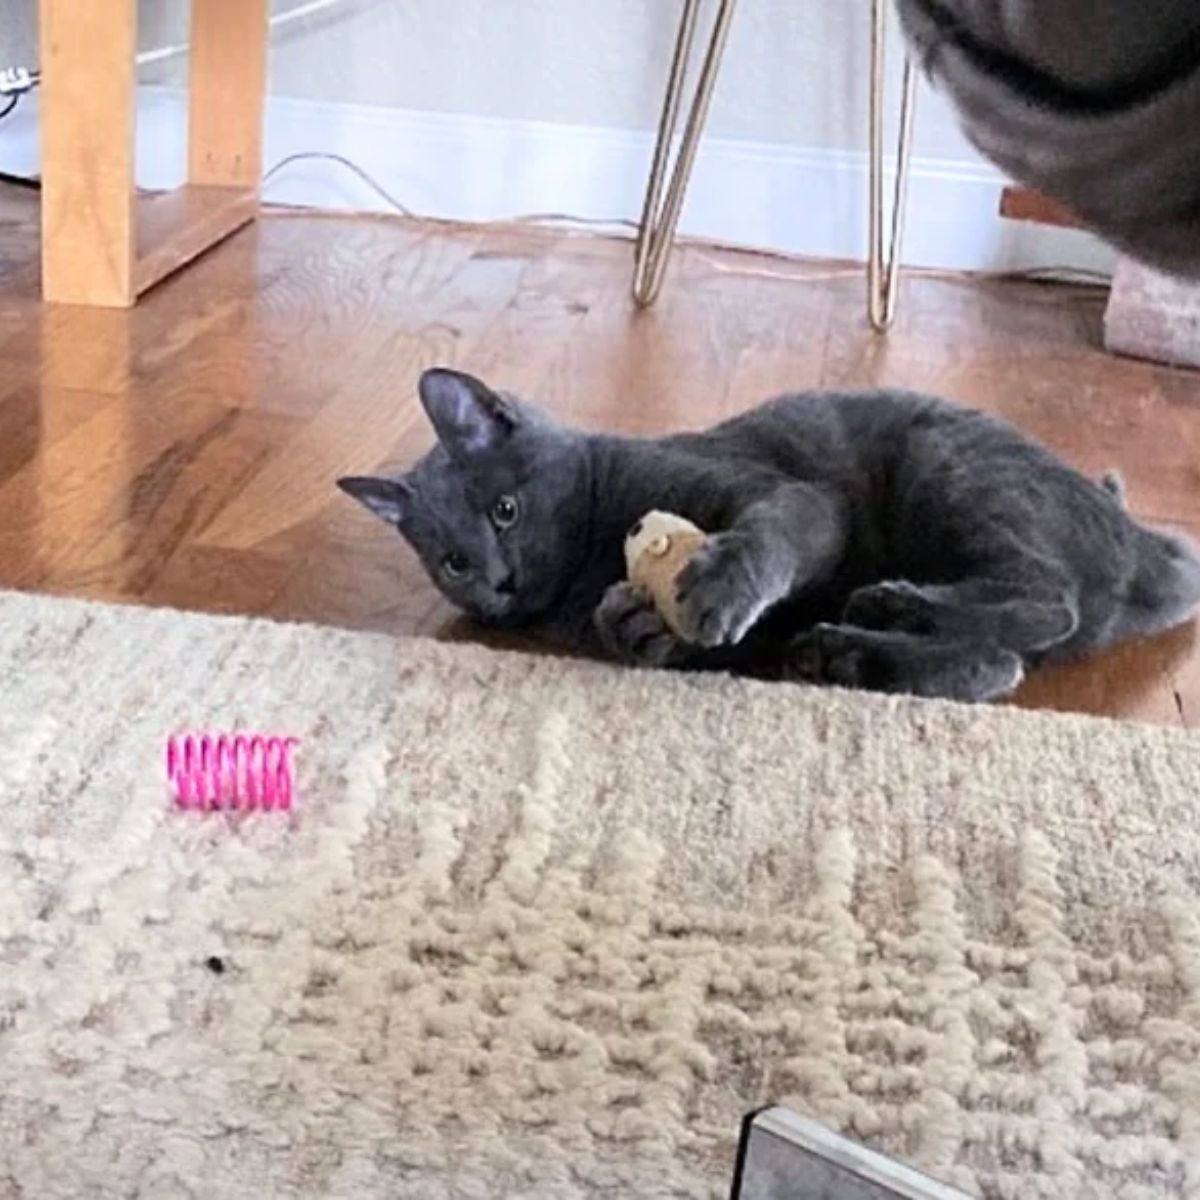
<point x="87" y="118"/>
<point x="226" y="89"/>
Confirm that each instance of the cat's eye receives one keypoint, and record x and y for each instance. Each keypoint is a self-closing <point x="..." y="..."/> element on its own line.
<point x="504" y="512"/>
<point x="455" y="565"/>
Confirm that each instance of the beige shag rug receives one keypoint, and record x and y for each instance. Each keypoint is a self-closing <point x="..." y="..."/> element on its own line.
<point x="543" y="929"/>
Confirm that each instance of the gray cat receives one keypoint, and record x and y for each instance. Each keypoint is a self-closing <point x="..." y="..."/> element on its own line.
<point x="882" y="540"/>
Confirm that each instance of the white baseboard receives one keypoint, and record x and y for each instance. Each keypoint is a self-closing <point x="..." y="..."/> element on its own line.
<point x="778" y="197"/>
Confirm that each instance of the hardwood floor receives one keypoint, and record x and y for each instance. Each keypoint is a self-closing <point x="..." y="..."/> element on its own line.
<point x="184" y="453"/>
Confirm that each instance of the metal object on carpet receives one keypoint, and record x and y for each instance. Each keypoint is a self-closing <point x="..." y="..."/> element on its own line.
<point x="883" y="271"/>
<point x="231" y="771"/>
<point x="782" y="1155"/>
<point x="660" y="210"/>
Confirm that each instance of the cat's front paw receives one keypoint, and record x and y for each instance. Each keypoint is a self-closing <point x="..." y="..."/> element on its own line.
<point x="718" y="593"/>
<point x="632" y="630"/>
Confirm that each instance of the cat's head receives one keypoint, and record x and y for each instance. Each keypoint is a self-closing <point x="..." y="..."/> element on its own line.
<point x="498" y="509"/>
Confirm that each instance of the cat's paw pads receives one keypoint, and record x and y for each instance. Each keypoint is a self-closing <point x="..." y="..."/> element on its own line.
<point x="827" y="654"/>
<point x="719" y="599"/>
<point x="631" y="629"/>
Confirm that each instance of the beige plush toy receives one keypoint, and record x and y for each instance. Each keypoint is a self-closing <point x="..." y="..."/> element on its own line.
<point x="657" y="548"/>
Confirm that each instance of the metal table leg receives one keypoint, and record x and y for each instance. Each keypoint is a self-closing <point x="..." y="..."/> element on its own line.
<point x="660" y="214"/>
<point x="883" y="273"/>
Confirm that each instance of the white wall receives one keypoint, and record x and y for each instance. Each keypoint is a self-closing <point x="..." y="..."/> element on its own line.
<point x="795" y="70"/>
<point x="790" y="114"/>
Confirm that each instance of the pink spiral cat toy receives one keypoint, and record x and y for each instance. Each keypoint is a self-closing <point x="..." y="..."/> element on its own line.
<point x="241" y="771"/>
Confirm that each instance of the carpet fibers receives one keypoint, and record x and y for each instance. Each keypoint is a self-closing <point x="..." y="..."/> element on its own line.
<point x="545" y="929"/>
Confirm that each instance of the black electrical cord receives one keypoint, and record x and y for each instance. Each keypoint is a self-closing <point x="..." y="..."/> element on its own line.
<point x="12" y="103"/>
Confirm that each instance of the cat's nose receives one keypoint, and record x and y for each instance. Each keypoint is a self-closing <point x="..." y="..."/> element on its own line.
<point x="507" y="586"/>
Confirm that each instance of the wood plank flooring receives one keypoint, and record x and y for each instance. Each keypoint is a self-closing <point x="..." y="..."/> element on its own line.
<point x="184" y="453"/>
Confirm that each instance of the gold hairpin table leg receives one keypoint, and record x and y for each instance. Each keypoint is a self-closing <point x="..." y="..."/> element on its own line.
<point x="660" y="214"/>
<point x="883" y="274"/>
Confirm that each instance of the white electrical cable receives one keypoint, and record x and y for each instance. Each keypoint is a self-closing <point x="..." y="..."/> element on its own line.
<point x="627" y="227"/>
<point x="369" y="180"/>
<point x="277" y="21"/>
<point x="153" y="56"/>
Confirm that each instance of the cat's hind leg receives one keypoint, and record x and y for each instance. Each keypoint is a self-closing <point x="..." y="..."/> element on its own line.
<point x="949" y="668"/>
<point x="960" y="641"/>
<point x="1026" y="618"/>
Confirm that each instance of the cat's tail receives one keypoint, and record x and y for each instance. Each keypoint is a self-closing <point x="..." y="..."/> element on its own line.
<point x="1165" y="589"/>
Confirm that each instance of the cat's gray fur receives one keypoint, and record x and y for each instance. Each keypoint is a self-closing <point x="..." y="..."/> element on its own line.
<point x="874" y="539"/>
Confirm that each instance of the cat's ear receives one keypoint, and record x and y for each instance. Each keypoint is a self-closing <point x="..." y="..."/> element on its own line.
<point x="470" y="419"/>
<point x="389" y="499"/>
